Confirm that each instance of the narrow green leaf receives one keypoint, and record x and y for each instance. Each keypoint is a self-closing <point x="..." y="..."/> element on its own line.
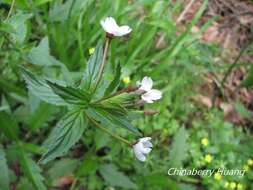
<point x="66" y="133"/>
<point x="31" y="170"/>
<point x="4" y="175"/>
<point x="115" y="82"/>
<point x="8" y="126"/>
<point x="179" y="148"/>
<point x="111" y="120"/>
<point x="93" y="66"/>
<point x="70" y="94"/>
<point x="41" y="89"/>
<point x="113" y="177"/>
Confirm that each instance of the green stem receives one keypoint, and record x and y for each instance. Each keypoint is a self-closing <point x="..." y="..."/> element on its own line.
<point x="11" y="9"/>
<point x="109" y="132"/>
<point x="235" y="63"/>
<point x="109" y="96"/>
<point x="107" y="42"/>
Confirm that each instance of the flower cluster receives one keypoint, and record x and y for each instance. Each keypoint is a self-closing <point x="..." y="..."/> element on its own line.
<point x="143" y="146"/>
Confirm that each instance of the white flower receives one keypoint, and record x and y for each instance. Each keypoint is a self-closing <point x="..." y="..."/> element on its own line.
<point x="110" y="26"/>
<point x="142" y="148"/>
<point x="150" y="94"/>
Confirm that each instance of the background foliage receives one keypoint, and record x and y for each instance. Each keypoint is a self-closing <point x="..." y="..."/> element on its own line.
<point x="53" y="38"/>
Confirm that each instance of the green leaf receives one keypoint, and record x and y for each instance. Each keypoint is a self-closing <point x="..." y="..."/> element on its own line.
<point x="66" y="133"/>
<point x="4" y="175"/>
<point x="179" y="148"/>
<point x="19" y="27"/>
<point x="115" y="82"/>
<point x="63" y="167"/>
<point x="115" y="178"/>
<point x="41" y="89"/>
<point x="8" y="126"/>
<point x="70" y="94"/>
<point x="92" y="69"/>
<point x="110" y="120"/>
<point x="31" y="170"/>
<point x="40" y="55"/>
<point x="40" y="116"/>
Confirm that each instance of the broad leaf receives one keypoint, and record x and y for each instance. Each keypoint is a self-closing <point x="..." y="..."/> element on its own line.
<point x="41" y="89"/>
<point x="8" y="126"/>
<point x="92" y="69"/>
<point x="40" y="55"/>
<point x="114" y="84"/>
<point x="70" y="94"/>
<point x="66" y="133"/>
<point x="112" y="120"/>
<point x="115" y="178"/>
<point x="19" y="28"/>
<point x="4" y="175"/>
<point x="179" y="148"/>
<point x="31" y="170"/>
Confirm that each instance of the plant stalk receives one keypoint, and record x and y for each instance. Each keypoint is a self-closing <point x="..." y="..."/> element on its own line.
<point x="11" y="9"/>
<point x="107" y="42"/>
<point x="109" y="132"/>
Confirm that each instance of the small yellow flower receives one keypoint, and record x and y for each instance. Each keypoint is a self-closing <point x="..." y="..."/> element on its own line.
<point x="204" y="141"/>
<point x="245" y="167"/>
<point x="217" y="176"/>
<point x="126" y="80"/>
<point x="226" y="184"/>
<point x="208" y="158"/>
<point x="250" y="162"/>
<point x="91" y="50"/>
<point x="232" y="185"/>
<point x="239" y="186"/>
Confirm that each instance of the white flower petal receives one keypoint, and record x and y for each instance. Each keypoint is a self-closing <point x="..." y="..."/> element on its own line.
<point x="146" y="84"/>
<point x="146" y="97"/>
<point x="110" y="26"/>
<point x="146" y="150"/>
<point x="155" y="94"/>
<point x="140" y="156"/>
<point x="123" y="30"/>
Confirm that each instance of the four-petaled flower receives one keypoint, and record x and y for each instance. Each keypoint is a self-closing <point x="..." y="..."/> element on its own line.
<point x="150" y="94"/>
<point x="142" y="148"/>
<point x="111" y="27"/>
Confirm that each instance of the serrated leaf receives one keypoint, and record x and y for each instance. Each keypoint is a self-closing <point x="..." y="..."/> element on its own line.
<point x="19" y="28"/>
<point x="179" y="148"/>
<point x="115" y="82"/>
<point x="40" y="55"/>
<point x="31" y="170"/>
<point x="113" y="177"/>
<point x="92" y="68"/>
<point x="4" y="175"/>
<point x="66" y="133"/>
<point x="70" y="94"/>
<point x="8" y="126"/>
<point x="41" y="89"/>
<point x="109" y="120"/>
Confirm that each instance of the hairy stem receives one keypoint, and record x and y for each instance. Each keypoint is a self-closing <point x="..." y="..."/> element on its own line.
<point x="107" y="42"/>
<point x="11" y="9"/>
<point x="109" y="132"/>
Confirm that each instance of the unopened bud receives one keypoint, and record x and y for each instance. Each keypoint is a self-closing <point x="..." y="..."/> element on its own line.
<point x="151" y="112"/>
<point x="131" y="89"/>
